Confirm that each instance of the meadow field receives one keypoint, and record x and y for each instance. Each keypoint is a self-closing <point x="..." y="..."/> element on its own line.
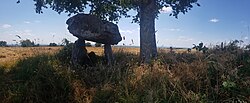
<point x="45" y="74"/>
<point x="9" y="55"/>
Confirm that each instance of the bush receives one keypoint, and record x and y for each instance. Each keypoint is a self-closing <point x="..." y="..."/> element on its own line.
<point x="27" y="43"/>
<point x="200" y="47"/>
<point x="52" y="44"/>
<point x="216" y="76"/>
<point x="64" y="55"/>
<point x="65" y="41"/>
<point x="3" y="43"/>
<point x="34" y="80"/>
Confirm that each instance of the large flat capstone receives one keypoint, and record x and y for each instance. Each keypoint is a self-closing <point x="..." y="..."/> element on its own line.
<point x="92" y="28"/>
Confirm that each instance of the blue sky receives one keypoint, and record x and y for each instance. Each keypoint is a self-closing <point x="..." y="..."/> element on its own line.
<point x="215" y="21"/>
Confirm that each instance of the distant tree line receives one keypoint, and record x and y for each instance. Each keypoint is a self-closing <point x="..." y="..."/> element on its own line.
<point x="88" y="44"/>
<point x="3" y="43"/>
<point x="27" y="43"/>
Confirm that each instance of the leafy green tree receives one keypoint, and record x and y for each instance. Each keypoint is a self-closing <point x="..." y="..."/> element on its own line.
<point x="113" y="10"/>
<point x="52" y="44"/>
<point x="65" y="41"/>
<point x="3" y="43"/>
<point x="27" y="43"/>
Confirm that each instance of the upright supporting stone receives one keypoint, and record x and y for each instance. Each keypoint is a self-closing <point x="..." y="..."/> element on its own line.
<point x="79" y="53"/>
<point x="108" y="53"/>
<point x="92" y="28"/>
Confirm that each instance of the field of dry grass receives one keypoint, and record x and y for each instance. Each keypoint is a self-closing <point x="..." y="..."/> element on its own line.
<point x="9" y="55"/>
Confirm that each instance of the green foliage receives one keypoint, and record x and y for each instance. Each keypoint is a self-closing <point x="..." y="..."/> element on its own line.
<point x="174" y="77"/>
<point x="98" y="44"/>
<point x="3" y="43"/>
<point x="228" y="84"/>
<point x="65" y="41"/>
<point x="27" y="43"/>
<point x="243" y="60"/>
<point x="52" y="44"/>
<point x="64" y="55"/>
<point x="112" y="10"/>
<point x="200" y="47"/>
<point x="35" y="79"/>
<point x="233" y="45"/>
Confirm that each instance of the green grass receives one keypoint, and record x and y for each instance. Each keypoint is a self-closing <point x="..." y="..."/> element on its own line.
<point x="216" y="76"/>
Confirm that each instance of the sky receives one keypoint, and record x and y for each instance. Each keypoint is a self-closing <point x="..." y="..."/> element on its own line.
<point x="213" y="22"/>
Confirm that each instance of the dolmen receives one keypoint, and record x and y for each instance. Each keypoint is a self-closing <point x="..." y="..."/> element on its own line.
<point x="90" y="27"/>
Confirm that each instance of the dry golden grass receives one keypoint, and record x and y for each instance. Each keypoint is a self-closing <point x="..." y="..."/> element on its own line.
<point x="100" y="50"/>
<point x="9" y="55"/>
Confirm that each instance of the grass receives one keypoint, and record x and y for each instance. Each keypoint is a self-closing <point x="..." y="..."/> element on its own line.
<point x="215" y="76"/>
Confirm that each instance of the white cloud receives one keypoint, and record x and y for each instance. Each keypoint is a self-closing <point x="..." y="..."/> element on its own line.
<point x="27" y="31"/>
<point x="6" y="26"/>
<point x="27" y="22"/>
<point x="184" y="39"/>
<point x="214" y="20"/>
<point x="179" y="41"/>
<point x="174" y="29"/>
<point x="246" y="38"/>
<point x="23" y="32"/>
<point x="166" y="9"/>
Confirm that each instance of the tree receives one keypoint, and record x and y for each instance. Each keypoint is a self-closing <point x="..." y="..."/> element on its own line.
<point x="65" y="41"/>
<point x="27" y="43"/>
<point x="3" y="43"/>
<point x="113" y="10"/>
<point x="52" y="44"/>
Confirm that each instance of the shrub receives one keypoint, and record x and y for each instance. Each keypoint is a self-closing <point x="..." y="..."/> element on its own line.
<point x="36" y="79"/>
<point x="64" y="55"/>
<point x="27" y="43"/>
<point x="200" y="47"/>
<point x="3" y="43"/>
<point x="216" y="76"/>
<point x="65" y="41"/>
<point x="52" y="44"/>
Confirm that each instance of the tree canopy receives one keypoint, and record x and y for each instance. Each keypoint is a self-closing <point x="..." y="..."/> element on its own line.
<point x="112" y="10"/>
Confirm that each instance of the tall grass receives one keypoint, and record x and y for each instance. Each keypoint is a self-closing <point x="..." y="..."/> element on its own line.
<point x="35" y="79"/>
<point x="214" y="76"/>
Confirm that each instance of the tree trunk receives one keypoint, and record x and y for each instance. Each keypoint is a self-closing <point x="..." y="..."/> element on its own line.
<point x="148" y="49"/>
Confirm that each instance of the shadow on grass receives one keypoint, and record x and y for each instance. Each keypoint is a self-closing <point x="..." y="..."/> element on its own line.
<point x="217" y="76"/>
<point x="34" y="79"/>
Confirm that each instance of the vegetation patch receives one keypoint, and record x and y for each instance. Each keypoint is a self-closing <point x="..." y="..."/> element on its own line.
<point x="217" y="75"/>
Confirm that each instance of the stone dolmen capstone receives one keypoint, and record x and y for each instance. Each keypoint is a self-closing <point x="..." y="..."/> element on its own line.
<point x="91" y="28"/>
